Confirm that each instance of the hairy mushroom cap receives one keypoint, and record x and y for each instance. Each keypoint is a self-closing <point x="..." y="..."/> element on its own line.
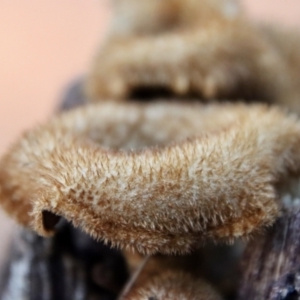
<point x="156" y="178"/>
<point x="134" y="17"/>
<point x="173" y="286"/>
<point x="206" y="49"/>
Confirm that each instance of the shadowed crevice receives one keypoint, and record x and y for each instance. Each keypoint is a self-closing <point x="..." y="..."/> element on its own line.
<point x="50" y="220"/>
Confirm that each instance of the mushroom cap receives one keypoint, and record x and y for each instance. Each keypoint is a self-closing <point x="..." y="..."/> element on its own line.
<point x="162" y="177"/>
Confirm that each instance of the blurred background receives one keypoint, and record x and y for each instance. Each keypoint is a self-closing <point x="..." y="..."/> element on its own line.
<point x="46" y="44"/>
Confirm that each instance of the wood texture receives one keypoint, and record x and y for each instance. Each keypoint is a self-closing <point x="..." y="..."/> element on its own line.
<point x="68" y="266"/>
<point x="271" y="265"/>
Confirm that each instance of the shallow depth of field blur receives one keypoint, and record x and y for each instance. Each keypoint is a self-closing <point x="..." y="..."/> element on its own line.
<point x="46" y="44"/>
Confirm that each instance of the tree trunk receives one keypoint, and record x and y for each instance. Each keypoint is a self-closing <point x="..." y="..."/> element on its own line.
<point x="70" y="265"/>
<point x="271" y="264"/>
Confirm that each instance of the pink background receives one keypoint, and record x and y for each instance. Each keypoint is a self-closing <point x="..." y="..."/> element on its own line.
<point x="45" y="44"/>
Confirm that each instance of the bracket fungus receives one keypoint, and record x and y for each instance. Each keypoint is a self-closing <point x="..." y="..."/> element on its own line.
<point x="206" y="50"/>
<point x="170" y="175"/>
<point x="209" y="180"/>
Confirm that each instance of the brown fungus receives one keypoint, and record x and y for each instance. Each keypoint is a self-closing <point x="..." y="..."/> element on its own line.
<point x="204" y="49"/>
<point x="167" y="177"/>
<point x="213" y="177"/>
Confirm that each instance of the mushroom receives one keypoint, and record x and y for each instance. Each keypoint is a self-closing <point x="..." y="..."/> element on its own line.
<point x="156" y="178"/>
<point x="213" y="176"/>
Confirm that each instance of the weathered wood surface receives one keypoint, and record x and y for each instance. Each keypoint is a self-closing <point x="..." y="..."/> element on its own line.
<point x="271" y="264"/>
<point x="73" y="96"/>
<point x="70" y="265"/>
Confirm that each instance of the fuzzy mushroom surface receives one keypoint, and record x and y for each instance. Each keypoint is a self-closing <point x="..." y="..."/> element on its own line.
<point x="160" y="177"/>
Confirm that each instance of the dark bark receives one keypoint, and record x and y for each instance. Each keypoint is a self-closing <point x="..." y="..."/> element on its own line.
<point x="271" y="264"/>
<point x="73" y="95"/>
<point x="70" y="265"/>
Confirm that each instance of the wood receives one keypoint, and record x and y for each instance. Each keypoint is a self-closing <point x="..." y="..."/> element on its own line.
<point x="271" y="264"/>
<point x="73" y="96"/>
<point x="68" y="266"/>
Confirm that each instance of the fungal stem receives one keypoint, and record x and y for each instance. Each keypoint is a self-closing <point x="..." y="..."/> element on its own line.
<point x="133" y="278"/>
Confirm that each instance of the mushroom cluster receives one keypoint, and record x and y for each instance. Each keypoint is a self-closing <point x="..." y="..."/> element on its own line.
<point x="167" y="176"/>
